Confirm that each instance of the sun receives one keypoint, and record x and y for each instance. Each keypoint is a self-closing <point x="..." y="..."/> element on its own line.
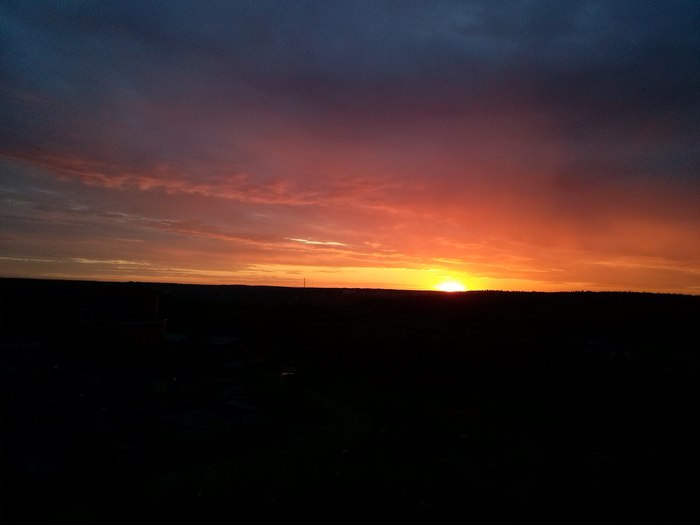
<point x="451" y="286"/>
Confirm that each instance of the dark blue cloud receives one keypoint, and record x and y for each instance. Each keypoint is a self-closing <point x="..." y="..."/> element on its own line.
<point x="150" y="82"/>
<point x="63" y="45"/>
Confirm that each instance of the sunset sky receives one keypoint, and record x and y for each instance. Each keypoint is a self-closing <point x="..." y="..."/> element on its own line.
<point x="516" y="145"/>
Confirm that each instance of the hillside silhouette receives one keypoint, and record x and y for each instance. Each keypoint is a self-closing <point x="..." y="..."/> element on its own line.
<point x="172" y="401"/>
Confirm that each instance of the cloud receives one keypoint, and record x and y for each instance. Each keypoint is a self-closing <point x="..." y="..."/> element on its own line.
<point x="318" y="243"/>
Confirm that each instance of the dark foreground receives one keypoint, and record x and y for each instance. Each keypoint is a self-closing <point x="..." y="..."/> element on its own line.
<point x="172" y="402"/>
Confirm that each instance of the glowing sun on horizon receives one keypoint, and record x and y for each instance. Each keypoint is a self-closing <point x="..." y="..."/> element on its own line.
<point x="451" y="286"/>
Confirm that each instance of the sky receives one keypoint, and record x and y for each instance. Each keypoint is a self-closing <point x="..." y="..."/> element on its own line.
<point x="512" y="145"/>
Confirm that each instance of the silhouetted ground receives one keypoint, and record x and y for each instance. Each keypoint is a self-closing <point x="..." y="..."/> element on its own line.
<point x="166" y="402"/>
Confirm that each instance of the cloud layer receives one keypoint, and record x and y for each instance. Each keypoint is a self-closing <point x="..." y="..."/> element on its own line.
<point x="532" y="145"/>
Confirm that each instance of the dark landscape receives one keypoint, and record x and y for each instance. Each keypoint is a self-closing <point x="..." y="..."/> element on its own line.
<point x="165" y="401"/>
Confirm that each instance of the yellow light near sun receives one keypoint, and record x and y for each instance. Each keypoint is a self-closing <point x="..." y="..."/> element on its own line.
<point x="451" y="286"/>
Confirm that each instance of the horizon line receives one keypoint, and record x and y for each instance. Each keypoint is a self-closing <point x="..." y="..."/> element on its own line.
<point x="460" y="292"/>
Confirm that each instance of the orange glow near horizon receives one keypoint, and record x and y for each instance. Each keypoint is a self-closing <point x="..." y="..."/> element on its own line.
<point x="348" y="232"/>
<point x="443" y="277"/>
<point x="391" y="228"/>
